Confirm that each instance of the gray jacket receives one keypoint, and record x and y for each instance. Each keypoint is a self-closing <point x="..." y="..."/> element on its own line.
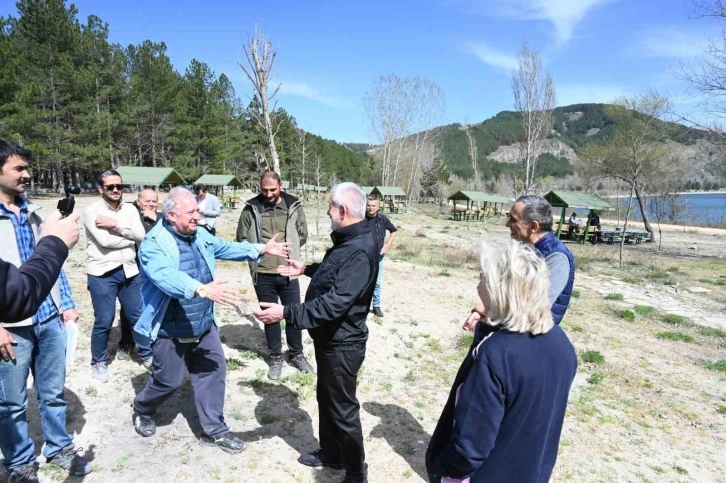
<point x="249" y="226"/>
<point x="10" y="252"/>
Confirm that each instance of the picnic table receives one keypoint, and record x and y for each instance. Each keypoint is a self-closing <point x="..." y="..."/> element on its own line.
<point x="631" y="236"/>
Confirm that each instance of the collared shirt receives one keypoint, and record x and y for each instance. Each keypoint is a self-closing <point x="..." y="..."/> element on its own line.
<point x="379" y="224"/>
<point x="110" y="249"/>
<point x="26" y="245"/>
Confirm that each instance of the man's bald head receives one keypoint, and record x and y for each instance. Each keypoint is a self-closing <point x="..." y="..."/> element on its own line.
<point x="148" y="199"/>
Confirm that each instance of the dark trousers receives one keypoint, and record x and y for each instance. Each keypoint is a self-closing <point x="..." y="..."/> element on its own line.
<point x="341" y="435"/>
<point x="279" y="289"/>
<point x="104" y="292"/>
<point x="207" y="367"/>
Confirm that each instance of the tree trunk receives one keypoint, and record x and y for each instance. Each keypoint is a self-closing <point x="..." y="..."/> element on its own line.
<point x="643" y="211"/>
<point x="625" y="224"/>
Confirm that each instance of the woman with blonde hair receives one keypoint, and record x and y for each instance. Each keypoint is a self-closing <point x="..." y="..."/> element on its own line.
<point x="503" y="419"/>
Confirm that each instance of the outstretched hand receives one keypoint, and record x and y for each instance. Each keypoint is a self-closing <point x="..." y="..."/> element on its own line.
<point x="273" y="247"/>
<point x="270" y="313"/>
<point x="293" y="268"/>
<point x="217" y="292"/>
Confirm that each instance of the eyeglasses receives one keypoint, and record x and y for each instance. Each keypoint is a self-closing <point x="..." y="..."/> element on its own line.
<point x="114" y="187"/>
<point x="512" y="219"/>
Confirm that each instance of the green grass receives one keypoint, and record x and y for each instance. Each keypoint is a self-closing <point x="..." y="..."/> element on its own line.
<point x="54" y="472"/>
<point x="465" y="340"/>
<point x="719" y="282"/>
<point x="632" y="280"/>
<point x="627" y="315"/>
<point x="614" y="296"/>
<point x="721" y="408"/>
<point x="444" y="273"/>
<point x="645" y="310"/>
<point x="304" y="378"/>
<point x="596" y="378"/>
<point x="592" y="357"/>
<point x="91" y="391"/>
<point x="268" y="419"/>
<point x="678" y="336"/>
<point x="576" y="294"/>
<point x="234" y="364"/>
<point x="718" y="366"/>
<point x="711" y="332"/>
<point x="673" y="319"/>
<point x="680" y="470"/>
<point x="434" y="345"/>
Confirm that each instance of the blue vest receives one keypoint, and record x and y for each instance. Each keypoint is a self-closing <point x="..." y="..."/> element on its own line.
<point x="547" y="245"/>
<point x="189" y="317"/>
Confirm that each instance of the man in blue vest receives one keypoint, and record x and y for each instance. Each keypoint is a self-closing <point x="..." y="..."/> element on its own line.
<point x="179" y="292"/>
<point x="530" y="221"/>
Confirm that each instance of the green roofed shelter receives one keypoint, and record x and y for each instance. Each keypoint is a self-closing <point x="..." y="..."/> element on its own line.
<point x="219" y="180"/>
<point x="575" y="199"/>
<point x="390" y="195"/>
<point x="472" y="197"/>
<point x="367" y="189"/>
<point x="146" y="176"/>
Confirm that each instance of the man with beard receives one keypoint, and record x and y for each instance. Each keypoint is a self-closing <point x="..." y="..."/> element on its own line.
<point x="113" y="228"/>
<point x="36" y="344"/>
<point x="336" y="306"/>
<point x="270" y="213"/>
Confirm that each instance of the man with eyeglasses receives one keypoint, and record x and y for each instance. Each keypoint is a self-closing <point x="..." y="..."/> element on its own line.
<point x="113" y="228"/>
<point x="530" y="221"/>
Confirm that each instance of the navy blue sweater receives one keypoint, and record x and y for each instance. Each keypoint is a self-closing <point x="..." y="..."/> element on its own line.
<point x="506" y="426"/>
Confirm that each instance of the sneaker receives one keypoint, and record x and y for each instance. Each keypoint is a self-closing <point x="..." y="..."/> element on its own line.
<point x="24" y="474"/>
<point x="228" y="442"/>
<point x="100" y="371"/>
<point x="313" y="460"/>
<point x="148" y="364"/>
<point x="301" y="364"/>
<point x="275" y="367"/>
<point x="123" y="354"/>
<point x="70" y="460"/>
<point x="144" y="425"/>
<point x="377" y="312"/>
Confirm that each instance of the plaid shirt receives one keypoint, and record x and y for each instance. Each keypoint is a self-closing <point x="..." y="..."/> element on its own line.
<point x="26" y="245"/>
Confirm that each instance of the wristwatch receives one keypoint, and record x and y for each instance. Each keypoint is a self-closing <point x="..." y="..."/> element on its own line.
<point x="202" y="291"/>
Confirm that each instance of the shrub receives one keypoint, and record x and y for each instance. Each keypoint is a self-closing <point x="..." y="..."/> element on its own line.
<point x="673" y="319"/>
<point x="614" y="296"/>
<point x="444" y="273"/>
<point x="627" y="315"/>
<point x="576" y="294"/>
<point x="596" y="378"/>
<point x="644" y="310"/>
<point x="592" y="357"/>
<point x="718" y="366"/>
<point x="679" y="336"/>
<point x="711" y="332"/>
<point x="465" y="340"/>
<point x="233" y="364"/>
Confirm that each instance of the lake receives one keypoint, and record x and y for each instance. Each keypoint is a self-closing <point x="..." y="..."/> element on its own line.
<point x="696" y="207"/>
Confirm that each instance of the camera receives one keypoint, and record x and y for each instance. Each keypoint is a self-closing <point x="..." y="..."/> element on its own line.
<point x="66" y="205"/>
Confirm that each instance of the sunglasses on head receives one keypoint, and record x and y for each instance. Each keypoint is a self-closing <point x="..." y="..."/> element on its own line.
<point x="112" y="187"/>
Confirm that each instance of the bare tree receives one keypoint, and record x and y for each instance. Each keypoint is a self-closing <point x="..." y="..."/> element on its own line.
<point x="260" y="58"/>
<point x="473" y="157"/>
<point x="637" y="153"/>
<point x="318" y="179"/>
<point x="534" y="100"/>
<point x="302" y="146"/>
<point x="396" y="109"/>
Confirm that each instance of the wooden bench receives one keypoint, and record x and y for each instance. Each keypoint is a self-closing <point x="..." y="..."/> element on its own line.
<point x="611" y="237"/>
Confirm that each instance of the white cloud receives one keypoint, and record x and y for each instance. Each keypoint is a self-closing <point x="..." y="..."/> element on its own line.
<point x="305" y="90"/>
<point x="564" y="15"/>
<point x="671" y="42"/>
<point x="493" y="57"/>
<point x="587" y="93"/>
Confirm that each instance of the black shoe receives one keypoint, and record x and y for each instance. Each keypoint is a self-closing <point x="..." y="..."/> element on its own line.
<point x="301" y="364"/>
<point x="357" y="479"/>
<point x="313" y="460"/>
<point x="24" y="474"/>
<point x="275" y="367"/>
<point x="228" y="442"/>
<point x="377" y="312"/>
<point x="70" y="460"/>
<point x="144" y="425"/>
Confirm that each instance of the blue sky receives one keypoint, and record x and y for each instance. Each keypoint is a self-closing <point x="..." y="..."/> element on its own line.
<point x="330" y="52"/>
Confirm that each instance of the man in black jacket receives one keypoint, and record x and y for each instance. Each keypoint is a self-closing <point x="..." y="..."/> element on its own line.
<point x="336" y="306"/>
<point x="25" y="288"/>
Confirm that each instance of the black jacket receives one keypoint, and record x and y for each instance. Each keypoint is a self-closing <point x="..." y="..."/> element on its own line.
<point x="24" y="289"/>
<point x="340" y="291"/>
<point x="147" y="222"/>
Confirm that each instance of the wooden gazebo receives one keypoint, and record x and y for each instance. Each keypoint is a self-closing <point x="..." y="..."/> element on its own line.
<point x="483" y="200"/>
<point x="148" y="176"/>
<point x="390" y="195"/>
<point x="575" y="199"/>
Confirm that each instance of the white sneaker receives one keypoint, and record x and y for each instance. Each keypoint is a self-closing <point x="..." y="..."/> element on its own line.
<point x="99" y="371"/>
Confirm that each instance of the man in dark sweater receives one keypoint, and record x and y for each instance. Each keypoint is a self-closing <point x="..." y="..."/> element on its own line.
<point x="335" y="310"/>
<point x="379" y="225"/>
<point x="146" y="204"/>
<point x="271" y="213"/>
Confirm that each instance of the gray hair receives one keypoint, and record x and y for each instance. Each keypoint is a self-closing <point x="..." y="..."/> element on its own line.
<point x="352" y="197"/>
<point x="536" y="208"/>
<point x="170" y="203"/>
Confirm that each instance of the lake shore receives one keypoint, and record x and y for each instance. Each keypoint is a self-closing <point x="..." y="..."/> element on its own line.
<point x="700" y="230"/>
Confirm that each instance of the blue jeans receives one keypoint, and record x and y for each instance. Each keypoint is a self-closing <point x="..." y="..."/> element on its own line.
<point x="41" y="348"/>
<point x="104" y="292"/>
<point x="377" y="291"/>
